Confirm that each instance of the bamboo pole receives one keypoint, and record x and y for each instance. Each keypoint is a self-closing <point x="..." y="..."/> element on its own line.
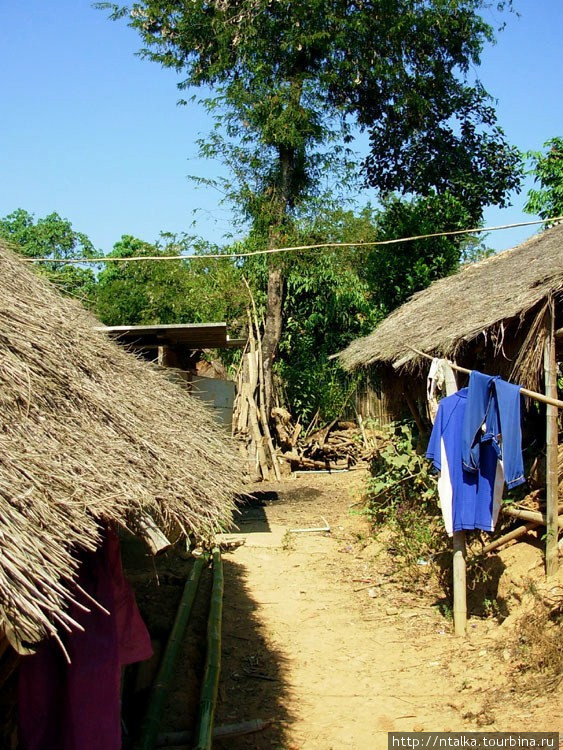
<point x="510" y="536"/>
<point x="550" y="368"/>
<point x="460" y="587"/>
<point x="530" y="515"/>
<point x="524" y="391"/>
<point x="150" y="726"/>
<point x="210" y="685"/>
<point x="264" y="418"/>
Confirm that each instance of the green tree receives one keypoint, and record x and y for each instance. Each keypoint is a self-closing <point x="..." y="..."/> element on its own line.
<point x="141" y="292"/>
<point x="288" y="81"/>
<point x="327" y="304"/>
<point x="152" y="292"/>
<point x="52" y="237"/>
<point x="547" y="168"/>
<point x="394" y="272"/>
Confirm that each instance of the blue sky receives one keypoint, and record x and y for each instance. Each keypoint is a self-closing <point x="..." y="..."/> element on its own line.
<point x="91" y="131"/>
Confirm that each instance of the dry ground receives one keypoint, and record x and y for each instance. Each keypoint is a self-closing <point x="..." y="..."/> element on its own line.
<point x="319" y="639"/>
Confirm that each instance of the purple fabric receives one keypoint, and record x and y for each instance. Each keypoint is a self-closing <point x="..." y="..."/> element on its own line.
<point x="77" y="706"/>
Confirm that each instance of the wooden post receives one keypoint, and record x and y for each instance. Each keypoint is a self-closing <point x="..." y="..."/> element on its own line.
<point x="550" y="369"/>
<point x="460" y="585"/>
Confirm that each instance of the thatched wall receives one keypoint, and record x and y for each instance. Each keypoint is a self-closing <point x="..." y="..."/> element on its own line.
<point x="490" y="315"/>
<point x="88" y="432"/>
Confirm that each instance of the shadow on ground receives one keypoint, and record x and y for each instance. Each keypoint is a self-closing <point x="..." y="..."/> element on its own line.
<point x="250" y="515"/>
<point x="253" y="674"/>
<point x="252" y="684"/>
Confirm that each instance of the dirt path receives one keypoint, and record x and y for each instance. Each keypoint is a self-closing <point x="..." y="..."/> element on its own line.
<point x="316" y="641"/>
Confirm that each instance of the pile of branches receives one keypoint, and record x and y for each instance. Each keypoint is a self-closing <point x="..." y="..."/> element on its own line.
<point x="274" y="444"/>
<point x="250" y="422"/>
<point x="338" y="446"/>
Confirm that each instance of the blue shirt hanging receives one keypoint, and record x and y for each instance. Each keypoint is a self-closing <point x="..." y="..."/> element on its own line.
<point x="469" y="500"/>
<point x="492" y="416"/>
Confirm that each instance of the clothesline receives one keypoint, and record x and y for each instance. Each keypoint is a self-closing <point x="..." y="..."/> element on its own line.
<point x="269" y="251"/>
<point x="523" y="391"/>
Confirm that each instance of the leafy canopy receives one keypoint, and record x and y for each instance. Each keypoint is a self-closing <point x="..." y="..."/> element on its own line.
<point x="52" y="237"/>
<point x="156" y="292"/>
<point x="547" y="167"/>
<point x="290" y="79"/>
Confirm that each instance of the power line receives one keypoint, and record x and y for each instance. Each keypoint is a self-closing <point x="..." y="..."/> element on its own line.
<point x="219" y="256"/>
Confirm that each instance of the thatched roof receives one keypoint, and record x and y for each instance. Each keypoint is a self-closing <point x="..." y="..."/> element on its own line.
<point x="88" y="433"/>
<point x="478" y="301"/>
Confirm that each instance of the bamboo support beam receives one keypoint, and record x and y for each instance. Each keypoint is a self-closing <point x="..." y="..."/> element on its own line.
<point x="460" y="585"/>
<point x="529" y="515"/>
<point x="510" y="536"/>
<point x="551" y="439"/>
<point x="210" y="685"/>
<point x="150" y="726"/>
<point x="524" y="391"/>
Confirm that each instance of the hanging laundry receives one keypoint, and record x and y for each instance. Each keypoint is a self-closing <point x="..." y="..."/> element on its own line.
<point x="468" y="500"/>
<point x="76" y="706"/>
<point x="440" y="376"/>
<point x="493" y="416"/>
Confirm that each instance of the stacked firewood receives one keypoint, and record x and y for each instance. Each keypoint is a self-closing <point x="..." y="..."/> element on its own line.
<point x="337" y="446"/>
<point x="278" y="445"/>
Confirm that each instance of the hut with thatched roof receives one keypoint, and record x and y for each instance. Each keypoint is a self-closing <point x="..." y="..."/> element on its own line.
<point x="501" y="316"/>
<point x="492" y="316"/>
<point x="89" y="436"/>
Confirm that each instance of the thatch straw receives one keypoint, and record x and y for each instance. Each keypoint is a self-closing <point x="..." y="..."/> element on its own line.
<point x="478" y="302"/>
<point x="88" y="433"/>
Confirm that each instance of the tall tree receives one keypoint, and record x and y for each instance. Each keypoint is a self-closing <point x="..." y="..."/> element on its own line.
<point x="289" y="79"/>
<point x="52" y="237"/>
<point x="546" y="200"/>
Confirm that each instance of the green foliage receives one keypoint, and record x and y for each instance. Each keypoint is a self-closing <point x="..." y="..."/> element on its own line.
<point x="289" y="79"/>
<point x="439" y="136"/>
<point x="152" y="292"/>
<point x="396" y="271"/>
<point x="547" y="169"/>
<point x="52" y="237"/>
<point x="326" y="305"/>
<point x="139" y="293"/>
<point x="402" y="496"/>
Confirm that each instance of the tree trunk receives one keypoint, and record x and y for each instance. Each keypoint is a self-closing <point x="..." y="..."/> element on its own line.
<point x="284" y="193"/>
<point x="272" y="331"/>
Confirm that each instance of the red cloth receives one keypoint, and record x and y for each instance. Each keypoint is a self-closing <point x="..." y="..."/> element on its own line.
<point x="76" y="706"/>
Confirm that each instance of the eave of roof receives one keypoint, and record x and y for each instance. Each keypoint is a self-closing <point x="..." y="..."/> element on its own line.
<point x="189" y="335"/>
